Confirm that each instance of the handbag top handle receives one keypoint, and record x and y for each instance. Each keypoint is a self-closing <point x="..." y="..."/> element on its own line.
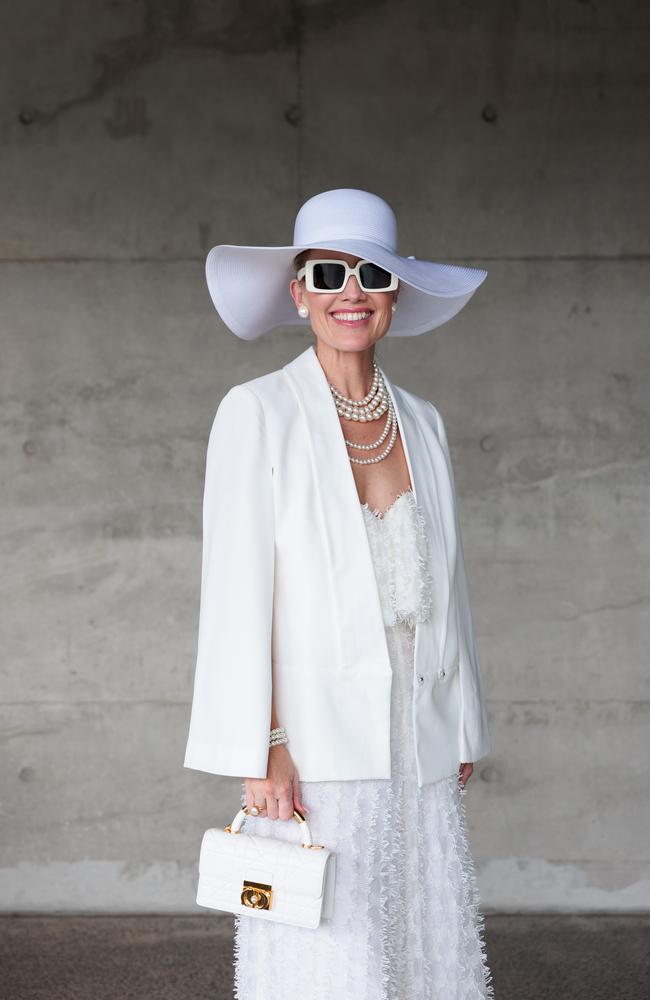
<point x="307" y="841"/>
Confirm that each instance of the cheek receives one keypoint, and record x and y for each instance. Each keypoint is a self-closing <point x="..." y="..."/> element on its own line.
<point x="382" y="310"/>
<point x="318" y="306"/>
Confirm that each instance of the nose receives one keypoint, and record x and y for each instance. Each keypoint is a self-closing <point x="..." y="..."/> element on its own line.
<point x="353" y="289"/>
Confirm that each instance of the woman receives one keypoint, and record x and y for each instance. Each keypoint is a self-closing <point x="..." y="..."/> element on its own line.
<point x="337" y="672"/>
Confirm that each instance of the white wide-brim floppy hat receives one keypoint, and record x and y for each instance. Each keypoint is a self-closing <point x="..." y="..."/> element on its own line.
<point x="250" y="285"/>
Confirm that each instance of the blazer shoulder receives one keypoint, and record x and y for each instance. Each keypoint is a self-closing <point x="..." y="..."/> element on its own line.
<point x="264" y="389"/>
<point x="423" y="408"/>
<point x="249" y="401"/>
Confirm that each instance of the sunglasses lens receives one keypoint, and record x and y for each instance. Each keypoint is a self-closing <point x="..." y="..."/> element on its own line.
<point x="374" y="278"/>
<point x="329" y="276"/>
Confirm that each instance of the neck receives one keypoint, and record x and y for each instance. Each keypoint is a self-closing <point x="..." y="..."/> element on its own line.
<point x="349" y="371"/>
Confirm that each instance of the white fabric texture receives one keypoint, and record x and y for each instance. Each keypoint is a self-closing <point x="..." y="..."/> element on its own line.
<point x="406" y="923"/>
<point x="399" y="547"/>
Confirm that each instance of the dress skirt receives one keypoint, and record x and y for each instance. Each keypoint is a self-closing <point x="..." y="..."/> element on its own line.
<point x="406" y="923"/>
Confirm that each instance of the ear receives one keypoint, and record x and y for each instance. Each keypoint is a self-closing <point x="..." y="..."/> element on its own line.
<point x="295" y="290"/>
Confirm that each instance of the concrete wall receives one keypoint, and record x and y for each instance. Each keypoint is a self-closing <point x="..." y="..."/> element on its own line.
<point x="507" y="135"/>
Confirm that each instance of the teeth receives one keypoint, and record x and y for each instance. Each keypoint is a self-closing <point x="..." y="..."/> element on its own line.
<point x="351" y="316"/>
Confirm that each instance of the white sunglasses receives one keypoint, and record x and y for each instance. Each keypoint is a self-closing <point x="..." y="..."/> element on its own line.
<point x="330" y="276"/>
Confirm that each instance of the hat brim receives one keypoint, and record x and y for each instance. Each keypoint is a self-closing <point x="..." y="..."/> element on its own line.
<point x="249" y="287"/>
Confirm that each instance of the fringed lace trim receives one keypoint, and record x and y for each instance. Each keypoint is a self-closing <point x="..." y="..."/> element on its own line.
<point x="400" y="551"/>
<point x="472" y="897"/>
<point x="407" y="923"/>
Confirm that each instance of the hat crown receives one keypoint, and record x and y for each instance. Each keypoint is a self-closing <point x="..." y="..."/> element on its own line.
<point x="345" y="214"/>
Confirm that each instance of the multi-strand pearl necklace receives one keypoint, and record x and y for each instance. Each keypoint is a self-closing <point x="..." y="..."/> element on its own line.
<point x="371" y="407"/>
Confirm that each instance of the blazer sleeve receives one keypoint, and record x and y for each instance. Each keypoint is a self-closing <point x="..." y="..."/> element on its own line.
<point x="231" y="705"/>
<point x="474" y="735"/>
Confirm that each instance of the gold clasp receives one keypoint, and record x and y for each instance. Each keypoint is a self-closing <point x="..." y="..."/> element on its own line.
<point x="257" y="895"/>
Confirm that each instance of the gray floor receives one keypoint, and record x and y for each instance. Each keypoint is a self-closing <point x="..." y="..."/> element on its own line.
<point x="190" y="958"/>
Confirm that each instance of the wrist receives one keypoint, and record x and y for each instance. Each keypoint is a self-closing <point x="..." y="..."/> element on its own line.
<point x="278" y="736"/>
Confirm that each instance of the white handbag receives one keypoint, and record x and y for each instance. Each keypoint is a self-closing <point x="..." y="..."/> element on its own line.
<point x="265" y="877"/>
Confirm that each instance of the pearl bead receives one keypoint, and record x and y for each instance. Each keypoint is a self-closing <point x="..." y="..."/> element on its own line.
<point x="371" y="407"/>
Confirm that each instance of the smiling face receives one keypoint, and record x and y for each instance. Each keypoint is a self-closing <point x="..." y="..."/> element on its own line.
<point x="349" y="320"/>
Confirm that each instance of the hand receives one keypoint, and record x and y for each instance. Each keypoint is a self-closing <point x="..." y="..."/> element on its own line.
<point x="465" y="773"/>
<point x="277" y="795"/>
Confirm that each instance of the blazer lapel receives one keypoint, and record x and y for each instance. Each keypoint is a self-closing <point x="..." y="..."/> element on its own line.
<point x="362" y="640"/>
<point x="355" y="591"/>
<point x="427" y="469"/>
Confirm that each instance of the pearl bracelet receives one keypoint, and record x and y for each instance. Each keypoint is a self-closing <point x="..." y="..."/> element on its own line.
<point x="278" y="736"/>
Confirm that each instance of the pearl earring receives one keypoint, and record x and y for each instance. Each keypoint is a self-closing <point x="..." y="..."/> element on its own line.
<point x="394" y="306"/>
<point x="303" y="311"/>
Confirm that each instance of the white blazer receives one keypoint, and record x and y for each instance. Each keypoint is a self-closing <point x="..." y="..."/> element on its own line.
<point x="289" y="599"/>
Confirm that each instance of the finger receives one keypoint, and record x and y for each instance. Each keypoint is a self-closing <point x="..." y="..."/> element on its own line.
<point x="257" y="802"/>
<point x="299" y="804"/>
<point x="271" y="806"/>
<point x="298" y="799"/>
<point x="285" y="804"/>
<point x="466" y="771"/>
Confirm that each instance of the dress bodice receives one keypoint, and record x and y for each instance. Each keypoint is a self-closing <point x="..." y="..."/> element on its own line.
<point x="399" y="547"/>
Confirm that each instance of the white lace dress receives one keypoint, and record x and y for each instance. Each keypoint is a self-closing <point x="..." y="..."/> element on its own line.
<point x="406" y="923"/>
